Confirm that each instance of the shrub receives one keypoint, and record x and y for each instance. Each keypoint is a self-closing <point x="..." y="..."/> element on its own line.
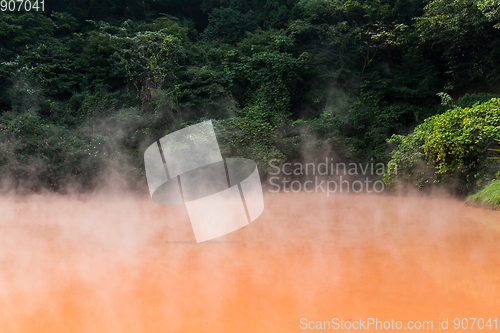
<point x="450" y="148"/>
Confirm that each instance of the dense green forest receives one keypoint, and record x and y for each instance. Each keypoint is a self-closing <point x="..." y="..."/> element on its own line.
<point x="86" y="86"/>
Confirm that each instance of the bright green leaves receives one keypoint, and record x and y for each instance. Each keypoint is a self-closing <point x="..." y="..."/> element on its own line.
<point x="459" y="135"/>
<point x="490" y="9"/>
<point x="453" y="144"/>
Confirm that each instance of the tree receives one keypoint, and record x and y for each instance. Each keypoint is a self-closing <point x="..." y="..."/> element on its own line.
<point x="458" y="32"/>
<point x="450" y="148"/>
<point x="229" y="25"/>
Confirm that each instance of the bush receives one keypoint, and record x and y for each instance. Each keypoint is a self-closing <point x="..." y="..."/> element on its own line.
<point x="450" y="149"/>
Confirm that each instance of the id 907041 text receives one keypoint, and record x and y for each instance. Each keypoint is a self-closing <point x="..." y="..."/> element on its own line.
<point x="22" y="5"/>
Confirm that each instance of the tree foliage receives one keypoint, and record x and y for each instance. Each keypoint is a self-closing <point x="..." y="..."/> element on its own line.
<point x="280" y="79"/>
<point x="450" y="148"/>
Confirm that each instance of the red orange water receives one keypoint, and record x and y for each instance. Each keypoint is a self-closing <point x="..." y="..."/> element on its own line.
<point x="111" y="264"/>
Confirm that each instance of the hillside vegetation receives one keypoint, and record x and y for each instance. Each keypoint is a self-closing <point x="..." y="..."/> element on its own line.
<point x="86" y="86"/>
